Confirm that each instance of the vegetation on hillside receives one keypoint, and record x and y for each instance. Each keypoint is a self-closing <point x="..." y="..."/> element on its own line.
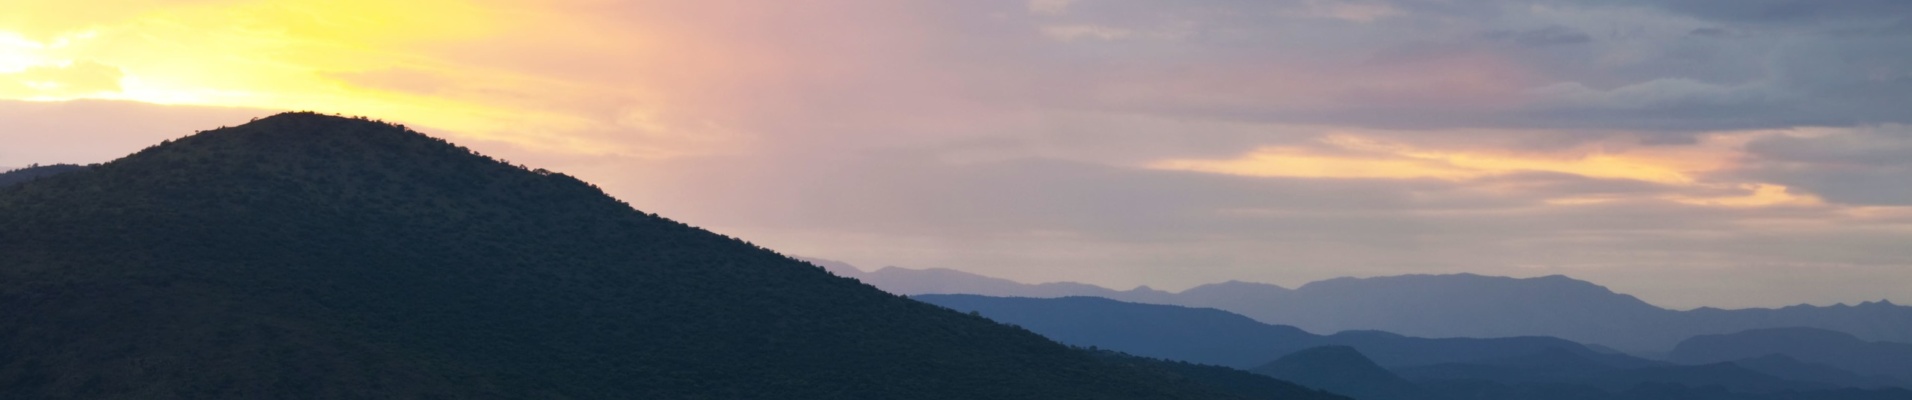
<point x="310" y="256"/>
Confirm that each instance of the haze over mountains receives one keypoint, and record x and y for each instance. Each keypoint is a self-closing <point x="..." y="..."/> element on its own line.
<point x="310" y="256"/>
<point x="1806" y="345"/>
<point x="1374" y="365"/>
<point x="1462" y="305"/>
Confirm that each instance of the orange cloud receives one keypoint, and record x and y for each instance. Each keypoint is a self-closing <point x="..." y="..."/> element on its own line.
<point x="1354" y="156"/>
<point x="1351" y="156"/>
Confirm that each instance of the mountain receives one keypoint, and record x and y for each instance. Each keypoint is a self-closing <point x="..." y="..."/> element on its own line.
<point x="1459" y="305"/>
<point x="1836" y="349"/>
<point x="13" y="177"/>
<point x="1342" y="369"/>
<point x="1210" y="336"/>
<point x="1372" y="365"/>
<point x="1199" y="335"/>
<point x="1786" y="367"/>
<point x="309" y="256"/>
<point x="1548" y="365"/>
<point x="1727" y="375"/>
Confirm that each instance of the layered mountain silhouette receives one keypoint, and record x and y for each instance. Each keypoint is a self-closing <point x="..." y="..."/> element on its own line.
<point x="1461" y="305"/>
<point x="310" y="256"/>
<point x="1800" y="351"/>
<point x="1786" y="367"/>
<point x="1374" y="365"/>
<point x="1342" y="369"/>
<point x="1211" y="336"/>
<point x="10" y="178"/>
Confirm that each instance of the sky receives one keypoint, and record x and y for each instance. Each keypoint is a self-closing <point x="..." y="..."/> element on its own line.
<point x="1727" y="153"/>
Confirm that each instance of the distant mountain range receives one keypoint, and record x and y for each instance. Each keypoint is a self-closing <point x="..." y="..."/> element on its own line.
<point x="1373" y="365"/>
<point x="1803" y="345"/>
<point x="1461" y="305"/>
<point x="1211" y="336"/>
<point x="304" y="256"/>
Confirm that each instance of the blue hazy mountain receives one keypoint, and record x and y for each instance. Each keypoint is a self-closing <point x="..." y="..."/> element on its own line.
<point x="1211" y="336"/>
<point x="1787" y="367"/>
<point x="1803" y="345"/>
<point x="1459" y="305"/>
<point x="1380" y="366"/>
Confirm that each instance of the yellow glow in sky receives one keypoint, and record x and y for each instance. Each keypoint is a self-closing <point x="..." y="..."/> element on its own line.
<point x="360" y="57"/>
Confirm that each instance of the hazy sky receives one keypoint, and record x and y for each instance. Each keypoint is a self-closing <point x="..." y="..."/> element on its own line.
<point x="1693" y="152"/>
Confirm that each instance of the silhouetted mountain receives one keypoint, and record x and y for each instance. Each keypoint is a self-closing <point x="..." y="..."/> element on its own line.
<point x="1342" y="369"/>
<point x="1836" y="349"/>
<point x="1463" y="305"/>
<point x="306" y="256"/>
<point x="17" y="176"/>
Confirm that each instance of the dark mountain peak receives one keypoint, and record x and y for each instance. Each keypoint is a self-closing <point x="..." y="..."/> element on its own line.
<point x="312" y="256"/>
<point x="294" y="131"/>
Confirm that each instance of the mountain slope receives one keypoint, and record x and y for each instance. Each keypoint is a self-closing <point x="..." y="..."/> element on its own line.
<point x="307" y="256"/>
<point x="23" y="175"/>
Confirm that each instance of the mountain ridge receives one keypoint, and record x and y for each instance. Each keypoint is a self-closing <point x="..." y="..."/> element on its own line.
<point x="1456" y="305"/>
<point x="1819" y="346"/>
<point x="311" y="256"/>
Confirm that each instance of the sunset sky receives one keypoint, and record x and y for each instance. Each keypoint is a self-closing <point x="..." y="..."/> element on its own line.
<point x="1724" y="153"/>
